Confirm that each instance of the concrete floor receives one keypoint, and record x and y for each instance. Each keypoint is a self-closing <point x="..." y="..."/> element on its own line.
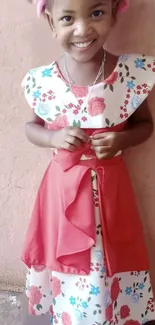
<point x="13" y="311"/>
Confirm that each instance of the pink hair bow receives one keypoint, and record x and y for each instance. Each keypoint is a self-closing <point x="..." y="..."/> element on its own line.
<point x="123" y="6"/>
<point x="41" y="6"/>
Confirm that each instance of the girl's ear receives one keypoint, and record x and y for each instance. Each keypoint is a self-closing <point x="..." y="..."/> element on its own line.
<point x="50" y="21"/>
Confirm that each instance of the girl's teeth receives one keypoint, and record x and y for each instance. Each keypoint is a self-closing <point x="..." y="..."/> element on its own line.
<point x="83" y="44"/>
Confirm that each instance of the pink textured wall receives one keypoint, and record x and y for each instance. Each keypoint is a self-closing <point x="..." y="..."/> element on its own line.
<point x="23" y="45"/>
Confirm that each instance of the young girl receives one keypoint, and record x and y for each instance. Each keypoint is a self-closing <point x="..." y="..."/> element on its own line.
<point x="85" y="248"/>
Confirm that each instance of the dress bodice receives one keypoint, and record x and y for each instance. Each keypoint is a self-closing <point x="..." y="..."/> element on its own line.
<point x="108" y="104"/>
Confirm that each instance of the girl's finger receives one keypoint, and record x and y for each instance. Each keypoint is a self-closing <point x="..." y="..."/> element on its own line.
<point x="101" y="149"/>
<point x="79" y="134"/>
<point x="100" y="142"/>
<point x="73" y="141"/>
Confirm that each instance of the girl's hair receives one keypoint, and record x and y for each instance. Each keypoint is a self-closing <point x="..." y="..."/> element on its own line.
<point x="43" y="6"/>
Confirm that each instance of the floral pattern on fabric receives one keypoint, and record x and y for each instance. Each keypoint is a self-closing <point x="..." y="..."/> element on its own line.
<point x="128" y="85"/>
<point x="126" y="298"/>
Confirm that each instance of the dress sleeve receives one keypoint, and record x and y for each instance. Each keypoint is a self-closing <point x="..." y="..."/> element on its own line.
<point x="29" y="87"/>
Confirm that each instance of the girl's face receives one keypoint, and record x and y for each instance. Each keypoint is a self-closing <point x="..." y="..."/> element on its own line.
<point x="82" y="26"/>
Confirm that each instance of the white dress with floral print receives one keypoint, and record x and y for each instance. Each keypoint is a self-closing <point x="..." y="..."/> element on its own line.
<point x="95" y="299"/>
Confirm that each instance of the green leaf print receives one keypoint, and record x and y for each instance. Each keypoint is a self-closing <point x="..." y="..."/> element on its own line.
<point x="54" y="302"/>
<point x="67" y="90"/>
<point x="39" y="307"/>
<point x="58" y="108"/>
<point x="28" y="79"/>
<point x="33" y="80"/>
<point x="126" y="67"/>
<point x="28" y="91"/>
<point x="107" y="121"/>
<point x="111" y="88"/>
<point x="49" y="119"/>
<point x="77" y="124"/>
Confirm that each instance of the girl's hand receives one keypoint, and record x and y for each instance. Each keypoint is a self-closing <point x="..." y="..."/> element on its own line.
<point x="106" y="145"/>
<point x="69" y="138"/>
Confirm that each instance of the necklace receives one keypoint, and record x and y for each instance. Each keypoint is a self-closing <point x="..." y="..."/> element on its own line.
<point x="99" y="74"/>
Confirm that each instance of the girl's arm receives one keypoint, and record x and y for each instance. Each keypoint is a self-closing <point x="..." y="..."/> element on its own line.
<point x="67" y="138"/>
<point x="139" y="127"/>
<point x="37" y="133"/>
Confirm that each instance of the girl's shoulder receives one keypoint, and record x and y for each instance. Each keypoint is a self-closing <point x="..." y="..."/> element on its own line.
<point x="137" y="64"/>
<point x="40" y="82"/>
<point x="38" y="75"/>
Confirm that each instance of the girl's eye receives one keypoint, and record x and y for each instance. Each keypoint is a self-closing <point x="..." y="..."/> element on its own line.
<point x="67" y="19"/>
<point x="97" y="13"/>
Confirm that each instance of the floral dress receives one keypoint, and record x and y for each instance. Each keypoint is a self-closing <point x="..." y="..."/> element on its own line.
<point x="95" y="299"/>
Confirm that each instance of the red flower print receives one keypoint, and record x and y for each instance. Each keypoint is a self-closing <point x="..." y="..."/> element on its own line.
<point x="132" y="322"/>
<point x="80" y="101"/>
<point x="66" y="319"/>
<point x="51" y="310"/>
<point x="115" y="289"/>
<point x="60" y="122"/>
<point x="70" y="105"/>
<point x="80" y="91"/>
<point x="50" y="92"/>
<point x="31" y="310"/>
<point x="75" y="112"/>
<point x="56" y="287"/>
<point x="96" y="106"/>
<point x="84" y="119"/>
<point x="124" y="312"/>
<point x="39" y="268"/>
<point x="109" y="313"/>
<point x="35" y="295"/>
<point x="112" y="78"/>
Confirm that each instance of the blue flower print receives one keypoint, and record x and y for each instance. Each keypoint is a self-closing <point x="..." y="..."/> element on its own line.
<point x="131" y="84"/>
<point x="144" y="321"/>
<point x="37" y="94"/>
<point x="79" y="315"/>
<point x="95" y="290"/>
<point x="51" y="320"/>
<point x="72" y="301"/>
<point x="46" y="73"/>
<point x="141" y="286"/>
<point x="102" y="270"/>
<point x="139" y="63"/>
<point x="124" y="58"/>
<point x="99" y="256"/>
<point x="84" y="304"/>
<point x="135" y="298"/>
<point x="42" y="109"/>
<point x="136" y="101"/>
<point x="107" y="299"/>
<point x="128" y="291"/>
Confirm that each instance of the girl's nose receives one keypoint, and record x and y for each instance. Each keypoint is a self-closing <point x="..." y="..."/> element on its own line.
<point x="82" y="29"/>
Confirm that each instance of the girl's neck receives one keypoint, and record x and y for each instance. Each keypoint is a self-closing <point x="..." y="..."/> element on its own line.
<point x="84" y="73"/>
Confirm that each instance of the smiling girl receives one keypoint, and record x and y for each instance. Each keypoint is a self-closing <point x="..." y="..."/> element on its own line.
<point x="85" y="247"/>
